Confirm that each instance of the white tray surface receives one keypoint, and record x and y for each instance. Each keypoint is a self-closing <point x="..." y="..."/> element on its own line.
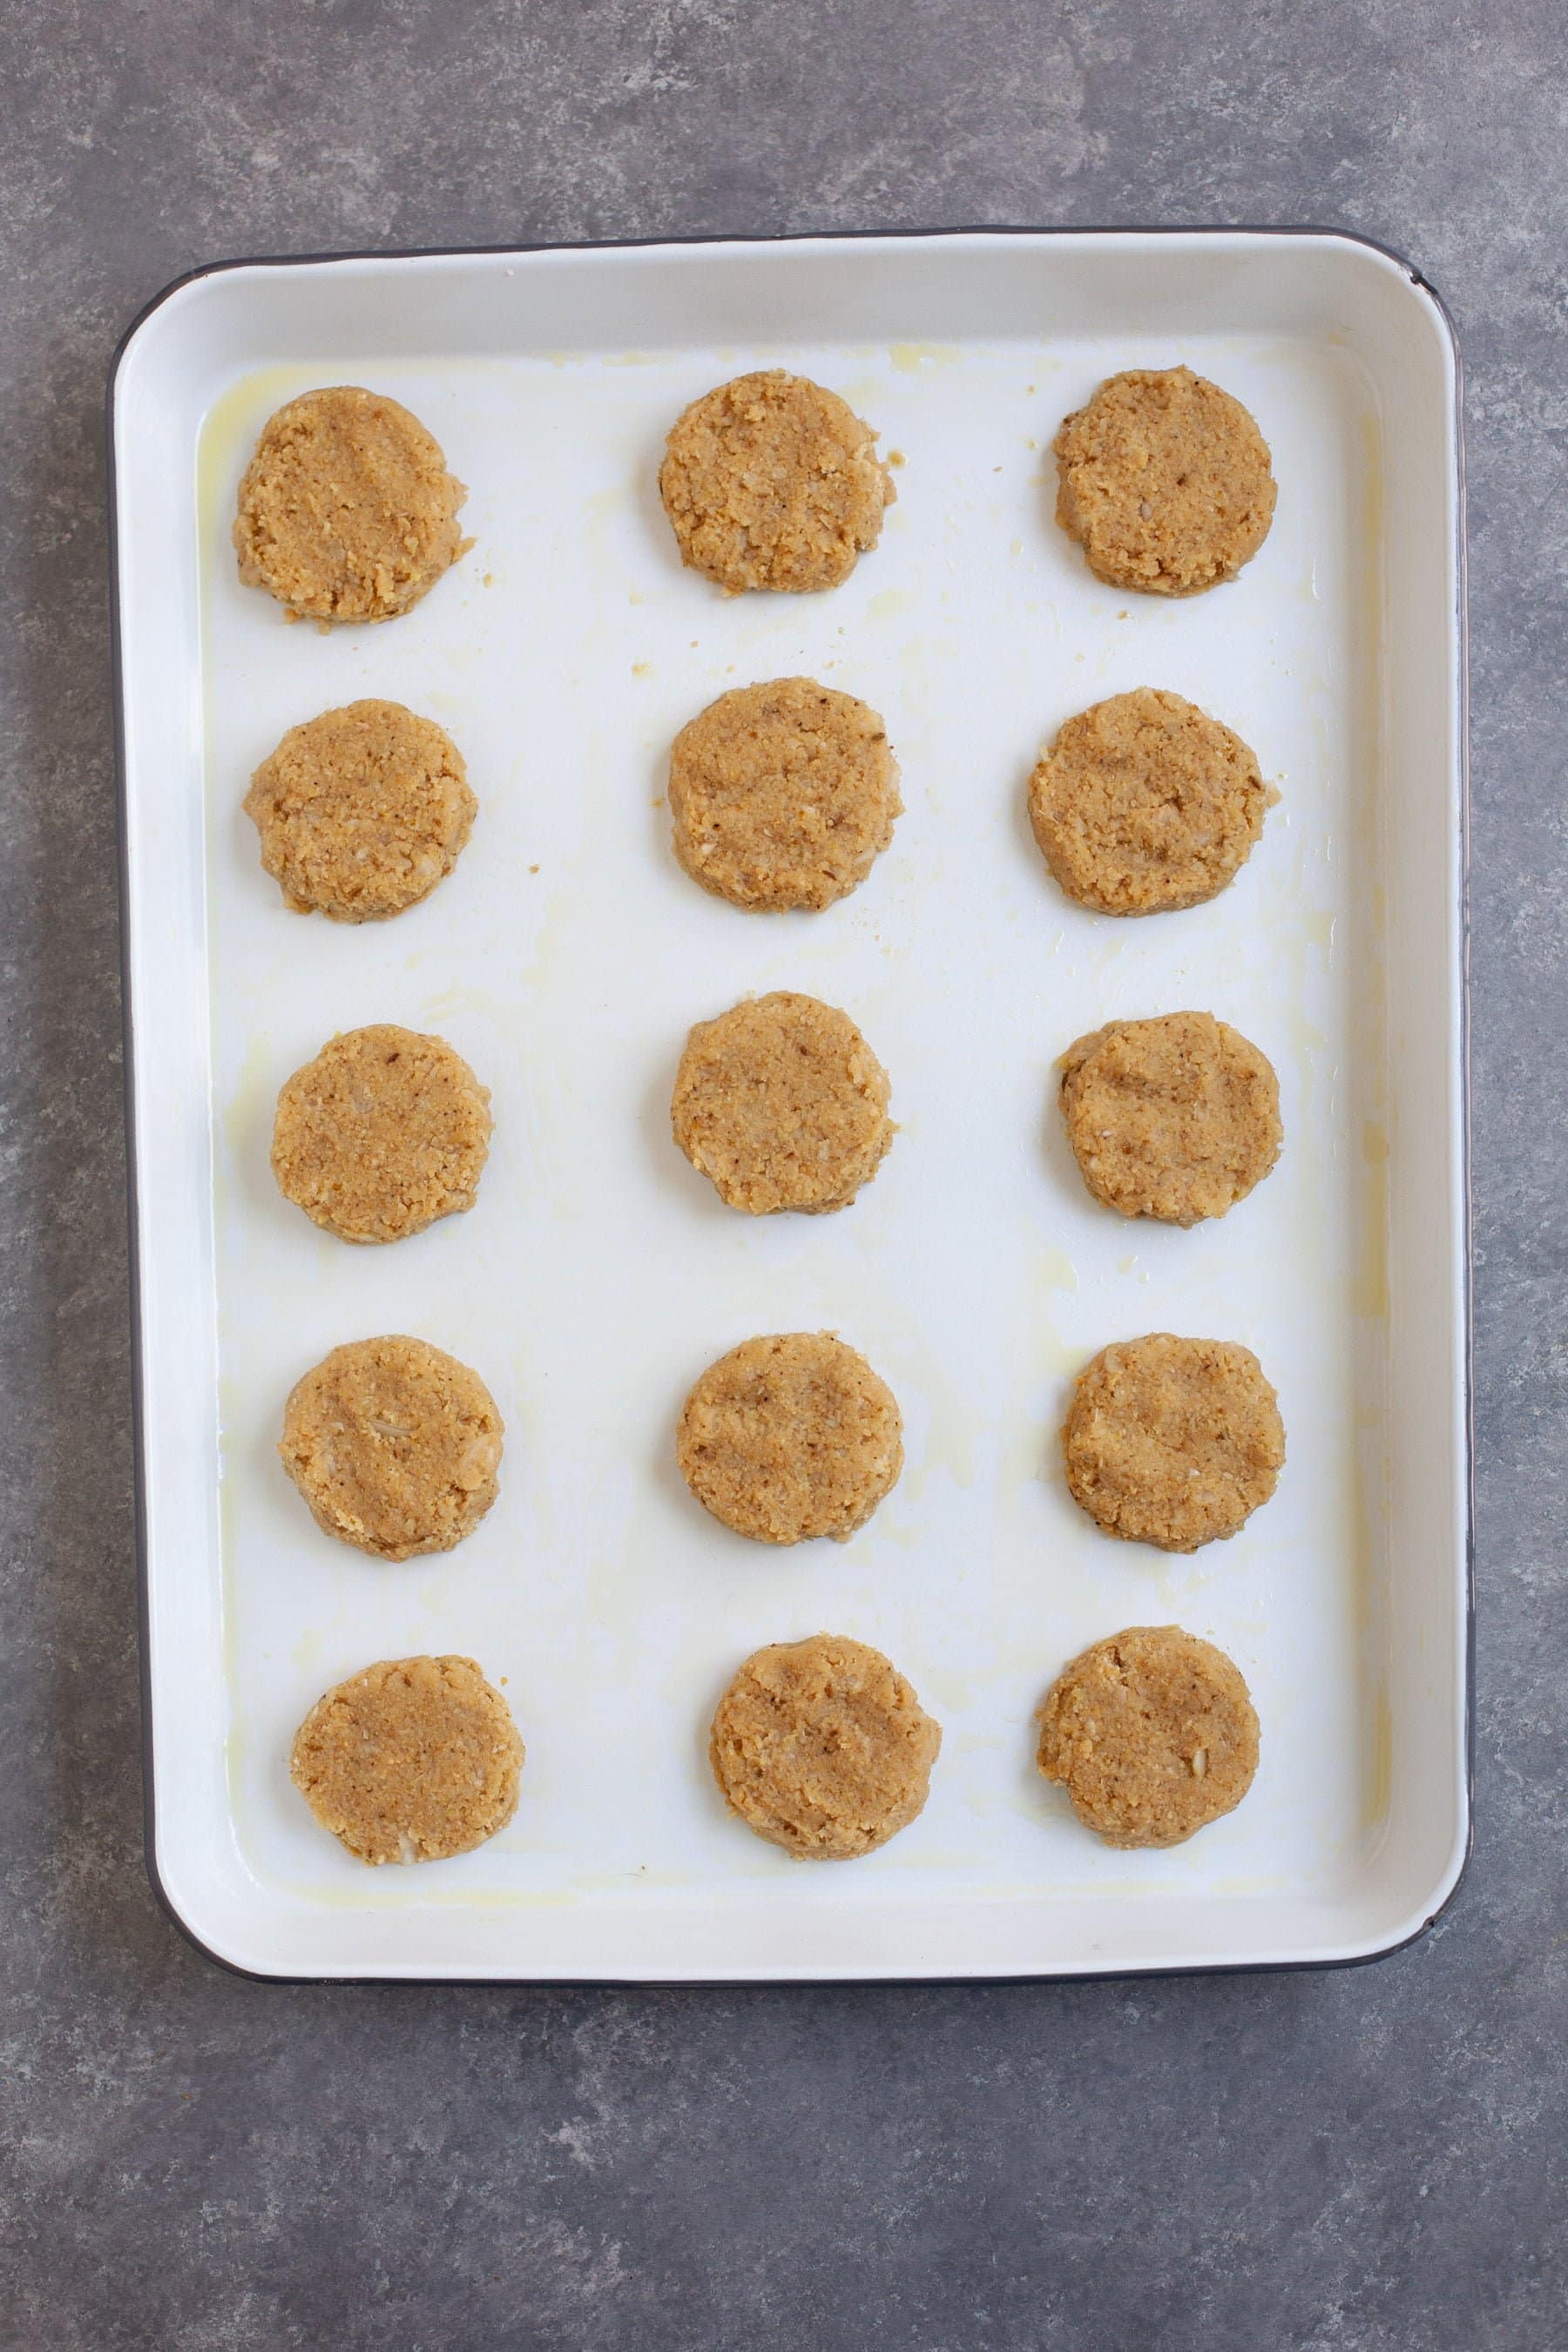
<point x="566" y="957"/>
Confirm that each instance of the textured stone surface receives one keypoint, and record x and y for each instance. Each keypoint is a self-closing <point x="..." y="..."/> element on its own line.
<point x="1372" y="2160"/>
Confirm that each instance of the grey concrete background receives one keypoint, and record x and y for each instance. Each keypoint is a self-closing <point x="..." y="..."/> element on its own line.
<point x="1368" y="2159"/>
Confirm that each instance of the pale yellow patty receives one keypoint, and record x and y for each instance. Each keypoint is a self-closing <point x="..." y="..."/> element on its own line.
<point x="783" y="794"/>
<point x="822" y="1747"/>
<point x="362" y="811"/>
<point x="394" y="1446"/>
<point x="1173" y="1441"/>
<point x="413" y="1761"/>
<point x="769" y="481"/>
<point x="1143" y="803"/>
<point x="347" y="512"/>
<point x="382" y="1133"/>
<point x="790" y="1437"/>
<point x="1165" y="482"/>
<point x="1176" y="1118"/>
<point x="782" y="1105"/>
<point x="1153" y="1734"/>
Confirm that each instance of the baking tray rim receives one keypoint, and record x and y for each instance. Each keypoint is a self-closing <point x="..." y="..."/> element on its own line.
<point x="1262" y="231"/>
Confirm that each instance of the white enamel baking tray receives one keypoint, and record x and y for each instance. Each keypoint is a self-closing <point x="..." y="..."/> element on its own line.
<point x="567" y="958"/>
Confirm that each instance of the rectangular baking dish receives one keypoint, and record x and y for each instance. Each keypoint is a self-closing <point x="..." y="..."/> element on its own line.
<point x="566" y="957"/>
